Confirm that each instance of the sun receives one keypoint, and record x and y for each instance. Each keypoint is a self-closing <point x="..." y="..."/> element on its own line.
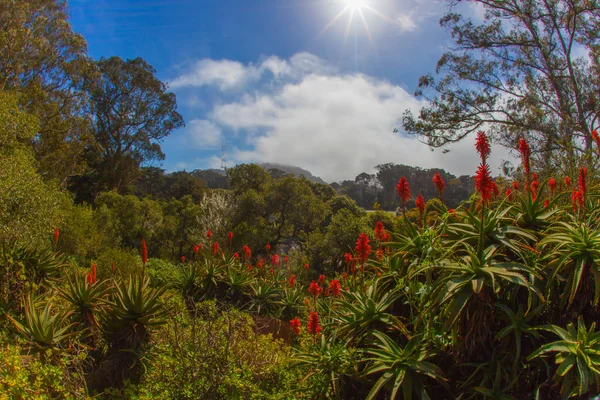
<point x="356" y="5"/>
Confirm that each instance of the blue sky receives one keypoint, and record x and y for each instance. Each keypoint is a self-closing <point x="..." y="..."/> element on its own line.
<point x="282" y="80"/>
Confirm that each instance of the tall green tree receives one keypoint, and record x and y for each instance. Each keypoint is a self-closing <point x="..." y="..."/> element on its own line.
<point x="132" y="112"/>
<point x="519" y="73"/>
<point x="44" y="60"/>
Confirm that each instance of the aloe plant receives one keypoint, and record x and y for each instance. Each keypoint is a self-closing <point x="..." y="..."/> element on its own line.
<point x="577" y="355"/>
<point x="44" y="329"/>
<point x="136" y="309"/>
<point x="403" y="367"/>
<point x="86" y="300"/>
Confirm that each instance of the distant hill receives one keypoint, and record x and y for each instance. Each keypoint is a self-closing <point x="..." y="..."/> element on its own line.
<point x="292" y="170"/>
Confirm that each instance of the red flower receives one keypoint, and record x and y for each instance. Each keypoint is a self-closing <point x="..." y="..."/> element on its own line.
<point x="268" y="247"/>
<point x="236" y="255"/>
<point x="403" y="190"/>
<point x="596" y="138"/>
<point x="144" y="252"/>
<point x="380" y="254"/>
<point x="292" y="281"/>
<point x="567" y="181"/>
<point x="56" y="235"/>
<point x="275" y="260"/>
<point x="515" y="186"/>
<point x="535" y="186"/>
<point x="313" y="326"/>
<point x="546" y="203"/>
<point x="112" y="267"/>
<point x="182" y="259"/>
<point x="286" y="259"/>
<point x="260" y="263"/>
<point x="439" y="183"/>
<point x="90" y="278"/>
<point x="295" y="324"/>
<point x="247" y="252"/>
<point x="196" y="249"/>
<point x="552" y="185"/>
<point x="321" y="279"/>
<point x="525" y="153"/>
<point x="215" y="248"/>
<point x="335" y="287"/>
<point x="482" y="144"/>
<point x="344" y="275"/>
<point x="314" y="288"/>
<point x="348" y="258"/>
<point x="484" y="183"/>
<point x="249" y="267"/>
<point x="229" y="238"/>
<point x="306" y="266"/>
<point x="272" y="271"/>
<point x="363" y="249"/>
<point x="209" y="234"/>
<point x="420" y="203"/>
<point x="386" y="237"/>
<point x="451" y="211"/>
<point x="508" y="194"/>
<point x="379" y="230"/>
<point x="94" y="271"/>
<point x="495" y="190"/>
<point x="582" y="180"/>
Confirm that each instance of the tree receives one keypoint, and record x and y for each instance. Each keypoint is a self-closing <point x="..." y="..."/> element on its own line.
<point x="45" y="61"/>
<point x="132" y="113"/>
<point x="518" y="73"/>
<point x="30" y="208"/>
<point x="244" y="177"/>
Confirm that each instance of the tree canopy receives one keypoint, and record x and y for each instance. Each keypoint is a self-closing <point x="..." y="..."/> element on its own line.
<point x="521" y="72"/>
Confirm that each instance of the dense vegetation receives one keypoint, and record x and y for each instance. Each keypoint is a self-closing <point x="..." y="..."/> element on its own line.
<point x="118" y="280"/>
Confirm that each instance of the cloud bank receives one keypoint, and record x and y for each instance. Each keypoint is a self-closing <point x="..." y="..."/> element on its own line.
<point x="303" y="111"/>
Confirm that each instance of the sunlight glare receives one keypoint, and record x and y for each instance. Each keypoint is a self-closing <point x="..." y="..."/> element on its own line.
<point x="356" y="5"/>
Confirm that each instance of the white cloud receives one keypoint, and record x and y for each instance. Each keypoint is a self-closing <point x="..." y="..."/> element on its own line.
<point x="333" y="124"/>
<point x="225" y="74"/>
<point x="202" y="133"/>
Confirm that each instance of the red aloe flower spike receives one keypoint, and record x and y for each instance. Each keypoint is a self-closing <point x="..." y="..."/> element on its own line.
<point x="144" y="252"/>
<point x="314" y="289"/>
<point x="292" y="281"/>
<point x="482" y="144"/>
<point x="247" y="252"/>
<point x="306" y="266"/>
<point x="515" y="186"/>
<point x="379" y="230"/>
<point x="567" y="181"/>
<point x="196" y="249"/>
<point x="596" y="138"/>
<point x="420" y="203"/>
<point x="236" y="255"/>
<point x="94" y="271"/>
<point x="525" y="151"/>
<point x="56" y="236"/>
<point x="335" y="288"/>
<point x="112" y="267"/>
<point x="484" y="183"/>
<point x="260" y="263"/>
<point x="229" y="238"/>
<point x="182" y="259"/>
<point x="535" y="186"/>
<point x="215" y="248"/>
<point x="321" y="279"/>
<point x="90" y="278"/>
<point x="403" y="191"/>
<point x="295" y="324"/>
<point x="286" y="260"/>
<point x="275" y="260"/>
<point x="508" y="194"/>
<point x="379" y="254"/>
<point x="313" y="326"/>
<point x="439" y="183"/>
<point x="552" y="185"/>
<point x="209" y="234"/>
<point x="348" y="258"/>
<point x="363" y="249"/>
<point x="268" y="247"/>
<point x="546" y="203"/>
